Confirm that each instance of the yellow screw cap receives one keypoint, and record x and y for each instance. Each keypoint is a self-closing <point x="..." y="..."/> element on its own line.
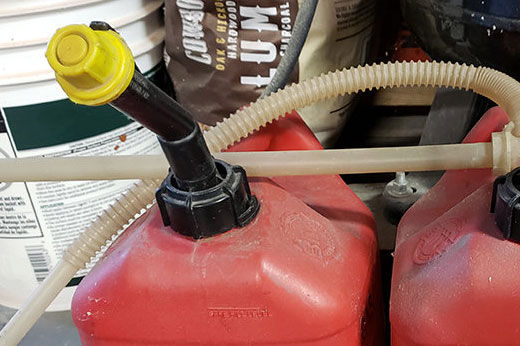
<point x="71" y="50"/>
<point x="93" y="67"/>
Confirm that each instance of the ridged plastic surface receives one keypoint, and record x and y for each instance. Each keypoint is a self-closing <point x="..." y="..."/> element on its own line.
<point x="497" y="86"/>
<point x="455" y="279"/>
<point x="110" y="222"/>
<point x="305" y="271"/>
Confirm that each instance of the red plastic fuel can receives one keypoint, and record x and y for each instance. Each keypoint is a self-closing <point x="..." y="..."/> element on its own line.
<point x="455" y="278"/>
<point x="305" y="271"/>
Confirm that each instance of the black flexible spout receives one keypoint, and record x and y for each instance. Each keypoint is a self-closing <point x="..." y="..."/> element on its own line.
<point x="196" y="199"/>
<point x="144" y="102"/>
<point x="180" y="137"/>
<point x="199" y="197"/>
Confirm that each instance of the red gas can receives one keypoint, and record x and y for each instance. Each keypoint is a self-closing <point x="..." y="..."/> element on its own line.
<point x="455" y="278"/>
<point x="305" y="271"/>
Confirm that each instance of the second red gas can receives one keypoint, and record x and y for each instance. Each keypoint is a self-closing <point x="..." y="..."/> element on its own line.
<point x="455" y="278"/>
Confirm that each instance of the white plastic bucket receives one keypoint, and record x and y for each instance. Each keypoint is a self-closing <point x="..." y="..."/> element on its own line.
<point x="38" y="220"/>
<point x="23" y="29"/>
<point x="13" y="8"/>
<point x="22" y="55"/>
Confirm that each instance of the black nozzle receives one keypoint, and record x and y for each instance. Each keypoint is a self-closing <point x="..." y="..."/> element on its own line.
<point x="181" y="139"/>
<point x="198" y="198"/>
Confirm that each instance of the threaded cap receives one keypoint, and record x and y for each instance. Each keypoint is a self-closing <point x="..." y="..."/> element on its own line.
<point x="92" y="66"/>
<point x="505" y="204"/>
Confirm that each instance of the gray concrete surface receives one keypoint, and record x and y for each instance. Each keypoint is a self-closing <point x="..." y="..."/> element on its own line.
<point x="371" y="195"/>
<point x="52" y="329"/>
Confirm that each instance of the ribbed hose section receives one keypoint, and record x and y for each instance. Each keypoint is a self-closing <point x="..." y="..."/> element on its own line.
<point x="503" y="90"/>
<point x="495" y="85"/>
<point x="110" y="222"/>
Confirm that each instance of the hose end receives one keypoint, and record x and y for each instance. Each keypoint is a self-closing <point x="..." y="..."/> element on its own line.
<point x="93" y="67"/>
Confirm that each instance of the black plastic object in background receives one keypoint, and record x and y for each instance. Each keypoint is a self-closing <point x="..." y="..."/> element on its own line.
<point x="158" y="75"/>
<point x="505" y="203"/>
<point x="471" y="31"/>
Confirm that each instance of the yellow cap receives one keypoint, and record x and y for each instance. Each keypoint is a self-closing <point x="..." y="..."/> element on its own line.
<point x="93" y="67"/>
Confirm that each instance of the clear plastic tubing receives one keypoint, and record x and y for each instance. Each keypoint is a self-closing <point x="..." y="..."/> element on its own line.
<point x="372" y="160"/>
<point x="259" y="164"/>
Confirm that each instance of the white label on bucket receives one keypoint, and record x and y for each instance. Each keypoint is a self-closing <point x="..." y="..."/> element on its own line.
<point x="38" y="220"/>
<point x="17" y="217"/>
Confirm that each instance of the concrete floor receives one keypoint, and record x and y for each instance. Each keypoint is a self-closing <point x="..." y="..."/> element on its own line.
<point x="52" y="329"/>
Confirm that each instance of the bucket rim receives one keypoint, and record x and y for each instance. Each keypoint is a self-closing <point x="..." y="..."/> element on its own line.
<point x="139" y="48"/>
<point x="116" y="23"/>
<point x="16" y="11"/>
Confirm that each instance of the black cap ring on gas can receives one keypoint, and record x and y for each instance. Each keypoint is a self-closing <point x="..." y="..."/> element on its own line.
<point x="505" y="203"/>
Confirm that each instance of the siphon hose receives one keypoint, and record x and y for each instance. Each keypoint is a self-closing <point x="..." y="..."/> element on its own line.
<point x="495" y="85"/>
